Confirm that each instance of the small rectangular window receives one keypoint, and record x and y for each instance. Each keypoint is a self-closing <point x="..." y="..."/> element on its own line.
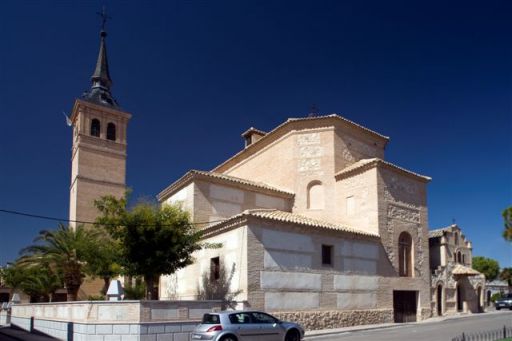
<point x="214" y="269"/>
<point x="326" y="254"/>
<point x="351" y="205"/>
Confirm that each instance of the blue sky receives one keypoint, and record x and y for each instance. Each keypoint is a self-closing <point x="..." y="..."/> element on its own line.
<point x="435" y="76"/>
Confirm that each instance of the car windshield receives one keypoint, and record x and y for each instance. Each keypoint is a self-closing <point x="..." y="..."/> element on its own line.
<point x="211" y="319"/>
<point x="508" y="296"/>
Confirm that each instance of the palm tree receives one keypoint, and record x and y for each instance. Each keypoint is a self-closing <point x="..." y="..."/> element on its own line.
<point x="40" y="283"/>
<point x="65" y="250"/>
<point x="12" y="277"/>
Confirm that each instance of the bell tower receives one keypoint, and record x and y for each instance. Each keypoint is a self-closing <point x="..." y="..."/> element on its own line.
<point x="98" y="155"/>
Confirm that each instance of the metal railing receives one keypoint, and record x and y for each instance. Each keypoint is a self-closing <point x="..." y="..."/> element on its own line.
<point x="489" y="335"/>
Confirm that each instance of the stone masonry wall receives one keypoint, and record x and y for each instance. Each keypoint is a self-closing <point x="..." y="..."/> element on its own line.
<point x="314" y="320"/>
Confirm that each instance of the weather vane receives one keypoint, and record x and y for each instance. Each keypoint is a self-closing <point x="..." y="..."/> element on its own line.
<point x="104" y="17"/>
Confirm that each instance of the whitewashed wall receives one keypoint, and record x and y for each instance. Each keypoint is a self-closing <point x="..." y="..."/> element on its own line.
<point x="184" y="284"/>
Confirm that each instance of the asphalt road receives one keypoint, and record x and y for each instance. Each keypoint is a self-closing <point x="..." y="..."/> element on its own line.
<point x="427" y="331"/>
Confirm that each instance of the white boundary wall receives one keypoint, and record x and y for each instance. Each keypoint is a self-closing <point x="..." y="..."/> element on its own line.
<point x="106" y="320"/>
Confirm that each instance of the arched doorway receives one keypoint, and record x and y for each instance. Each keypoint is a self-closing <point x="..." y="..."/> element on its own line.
<point x="460" y="305"/>
<point x="479" y="299"/>
<point x="439" y="300"/>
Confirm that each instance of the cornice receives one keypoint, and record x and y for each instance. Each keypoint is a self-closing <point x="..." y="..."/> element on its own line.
<point x="88" y="105"/>
<point x="366" y="164"/>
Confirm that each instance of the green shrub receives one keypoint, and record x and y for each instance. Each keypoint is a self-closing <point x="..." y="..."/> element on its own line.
<point x="96" y="298"/>
<point x="495" y="296"/>
<point x="136" y="292"/>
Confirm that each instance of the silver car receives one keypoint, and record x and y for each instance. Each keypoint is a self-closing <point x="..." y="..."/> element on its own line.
<point x="245" y="326"/>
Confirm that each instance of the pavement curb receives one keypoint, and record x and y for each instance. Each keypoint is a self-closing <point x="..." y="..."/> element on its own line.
<point x="354" y="329"/>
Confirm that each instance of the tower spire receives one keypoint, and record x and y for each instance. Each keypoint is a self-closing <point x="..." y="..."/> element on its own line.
<point x="101" y="81"/>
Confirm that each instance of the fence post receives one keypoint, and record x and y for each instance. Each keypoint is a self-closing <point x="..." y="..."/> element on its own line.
<point x="504" y="331"/>
<point x="463" y="337"/>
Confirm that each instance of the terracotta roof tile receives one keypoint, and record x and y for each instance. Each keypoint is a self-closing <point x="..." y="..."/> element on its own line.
<point x="369" y="163"/>
<point x="462" y="270"/>
<point x="287" y="217"/>
<point x="212" y="175"/>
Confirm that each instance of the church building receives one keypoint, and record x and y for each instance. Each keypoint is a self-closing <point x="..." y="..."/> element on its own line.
<point x="456" y="286"/>
<point x="315" y="224"/>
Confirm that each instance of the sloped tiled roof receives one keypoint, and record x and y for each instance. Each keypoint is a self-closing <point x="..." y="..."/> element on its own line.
<point x="226" y="178"/>
<point x="440" y="231"/>
<point x="288" y="125"/>
<point x="286" y="217"/>
<point x="462" y="270"/>
<point x="368" y="163"/>
<point x="437" y="233"/>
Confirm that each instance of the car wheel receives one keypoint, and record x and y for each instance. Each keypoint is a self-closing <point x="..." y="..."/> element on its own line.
<point x="228" y="338"/>
<point x="292" y="335"/>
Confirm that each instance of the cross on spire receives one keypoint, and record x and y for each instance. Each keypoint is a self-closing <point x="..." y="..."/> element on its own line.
<point x="101" y="81"/>
<point x="104" y="17"/>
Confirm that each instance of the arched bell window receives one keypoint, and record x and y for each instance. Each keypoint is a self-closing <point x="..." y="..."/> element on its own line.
<point x="111" y="131"/>
<point x="95" y="127"/>
<point x="459" y="257"/>
<point x="405" y="255"/>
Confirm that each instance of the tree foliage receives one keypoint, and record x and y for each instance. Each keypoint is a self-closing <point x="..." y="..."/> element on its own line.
<point x="65" y="251"/>
<point x="488" y="266"/>
<point x="40" y="283"/>
<point x="12" y="276"/>
<point x="506" y="275"/>
<point x="154" y="240"/>
<point x="507" y="220"/>
<point x="103" y="258"/>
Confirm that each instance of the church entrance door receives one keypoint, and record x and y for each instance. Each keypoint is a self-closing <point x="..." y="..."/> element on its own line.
<point x="439" y="300"/>
<point x="404" y="306"/>
<point x="460" y="306"/>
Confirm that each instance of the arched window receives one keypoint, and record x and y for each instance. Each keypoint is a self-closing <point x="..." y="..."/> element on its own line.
<point x="405" y="254"/>
<point x="459" y="257"/>
<point x="95" y="127"/>
<point x="111" y="131"/>
<point x="456" y="238"/>
<point x="315" y="195"/>
<point x="464" y="259"/>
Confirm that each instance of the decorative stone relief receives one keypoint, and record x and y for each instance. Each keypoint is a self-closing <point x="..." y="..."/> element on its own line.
<point x="310" y="151"/>
<point x="347" y="155"/>
<point x="391" y="199"/>
<point x="420" y="256"/>
<point x="307" y="139"/>
<point x="389" y="245"/>
<point x="403" y="213"/>
<point x="309" y="165"/>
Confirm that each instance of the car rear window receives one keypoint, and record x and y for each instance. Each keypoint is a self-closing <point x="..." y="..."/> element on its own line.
<point x="211" y="319"/>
